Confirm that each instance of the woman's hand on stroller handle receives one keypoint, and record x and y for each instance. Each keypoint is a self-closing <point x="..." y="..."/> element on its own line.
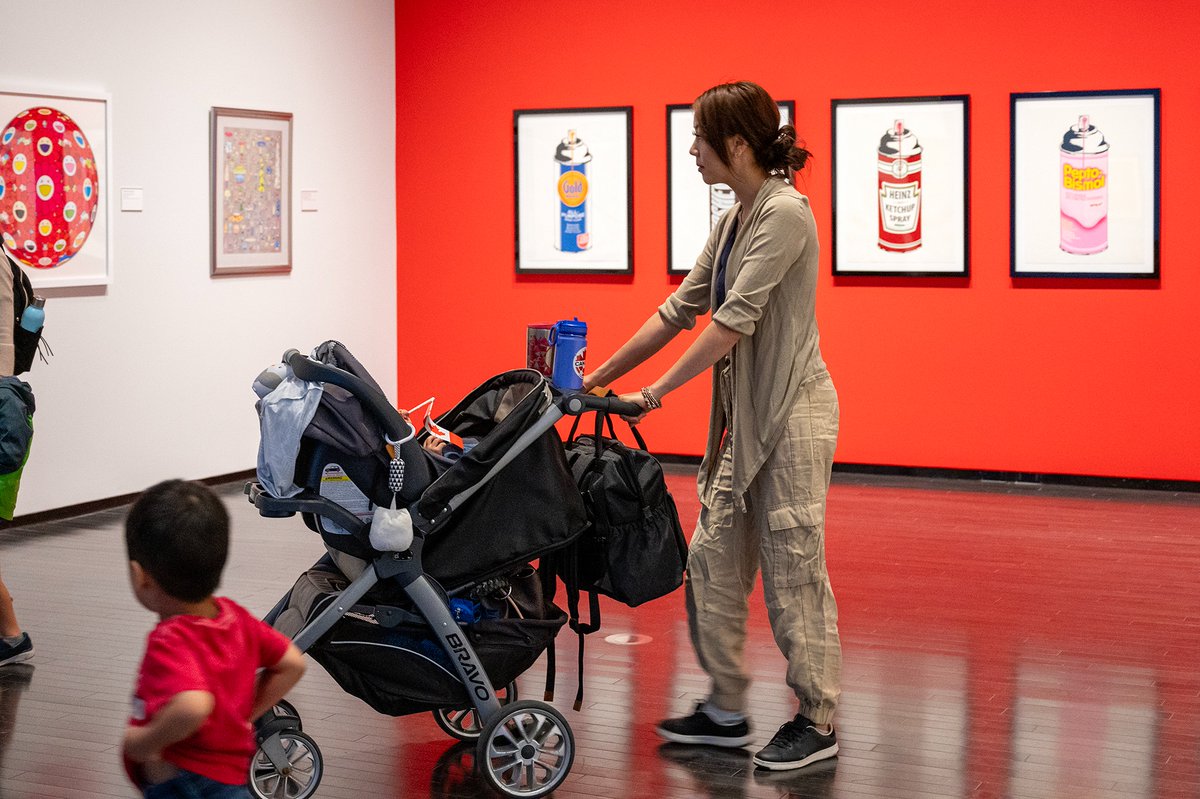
<point x="576" y="404"/>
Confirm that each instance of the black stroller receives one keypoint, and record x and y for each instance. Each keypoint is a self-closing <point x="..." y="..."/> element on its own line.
<point x="456" y="609"/>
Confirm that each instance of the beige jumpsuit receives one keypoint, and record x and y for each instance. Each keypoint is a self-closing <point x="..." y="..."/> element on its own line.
<point x="766" y="469"/>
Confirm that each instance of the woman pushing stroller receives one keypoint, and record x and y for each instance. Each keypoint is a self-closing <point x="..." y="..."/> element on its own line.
<point x="772" y="430"/>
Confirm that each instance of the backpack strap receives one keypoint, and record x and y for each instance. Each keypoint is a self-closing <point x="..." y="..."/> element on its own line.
<point x="548" y="572"/>
<point x="581" y="629"/>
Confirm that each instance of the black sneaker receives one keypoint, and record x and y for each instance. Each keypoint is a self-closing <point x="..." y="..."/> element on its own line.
<point x="699" y="728"/>
<point x="18" y="653"/>
<point x="796" y="745"/>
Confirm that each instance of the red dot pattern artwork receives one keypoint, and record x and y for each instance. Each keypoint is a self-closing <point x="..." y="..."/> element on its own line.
<point x="49" y="187"/>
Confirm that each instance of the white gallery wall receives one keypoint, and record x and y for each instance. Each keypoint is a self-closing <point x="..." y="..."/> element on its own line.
<point x="151" y="374"/>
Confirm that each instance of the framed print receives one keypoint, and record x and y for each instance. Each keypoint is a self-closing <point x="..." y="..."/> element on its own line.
<point x="693" y="207"/>
<point x="55" y="193"/>
<point x="900" y="186"/>
<point x="1085" y="184"/>
<point x="574" y="190"/>
<point x="251" y="192"/>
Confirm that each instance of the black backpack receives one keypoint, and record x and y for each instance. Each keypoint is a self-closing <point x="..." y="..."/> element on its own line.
<point x="25" y="343"/>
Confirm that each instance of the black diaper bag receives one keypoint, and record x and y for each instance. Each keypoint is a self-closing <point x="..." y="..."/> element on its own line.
<point x="634" y="550"/>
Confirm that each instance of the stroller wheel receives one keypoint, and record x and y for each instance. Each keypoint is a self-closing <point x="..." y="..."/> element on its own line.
<point x="287" y="765"/>
<point x="285" y="708"/>
<point x="527" y="750"/>
<point x="285" y="711"/>
<point x="464" y="724"/>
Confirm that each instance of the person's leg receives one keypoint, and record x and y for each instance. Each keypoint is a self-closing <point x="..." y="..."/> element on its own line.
<point x="8" y="616"/>
<point x="721" y="568"/>
<point x="15" y="646"/>
<point x="788" y="509"/>
<point x="722" y="565"/>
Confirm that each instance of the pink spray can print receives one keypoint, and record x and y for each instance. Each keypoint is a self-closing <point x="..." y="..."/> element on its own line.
<point x="899" y="190"/>
<point x="1083" y="189"/>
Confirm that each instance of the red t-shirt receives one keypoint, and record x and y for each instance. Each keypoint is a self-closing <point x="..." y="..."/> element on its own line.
<point x="220" y="656"/>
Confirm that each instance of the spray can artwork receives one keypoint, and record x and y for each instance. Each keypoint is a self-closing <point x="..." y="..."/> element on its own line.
<point x="720" y="199"/>
<point x="899" y="190"/>
<point x="1083" y="190"/>
<point x="572" y="232"/>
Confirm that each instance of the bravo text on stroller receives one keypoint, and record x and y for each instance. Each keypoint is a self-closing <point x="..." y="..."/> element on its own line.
<point x="469" y="668"/>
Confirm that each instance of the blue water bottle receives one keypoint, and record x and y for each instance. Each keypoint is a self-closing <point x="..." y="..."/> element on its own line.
<point x="34" y="315"/>
<point x="465" y="611"/>
<point x="569" y="337"/>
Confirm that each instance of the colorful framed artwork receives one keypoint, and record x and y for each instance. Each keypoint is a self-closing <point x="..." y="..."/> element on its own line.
<point x="693" y="207"/>
<point x="1085" y="184"/>
<point x="901" y="186"/>
<point x="251" y="162"/>
<point x="574" y="190"/>
<point x="55" y="193"/>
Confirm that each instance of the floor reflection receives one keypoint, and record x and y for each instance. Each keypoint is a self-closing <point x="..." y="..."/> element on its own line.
<point x="14" y="682"/>
<point x="715" y="771"/>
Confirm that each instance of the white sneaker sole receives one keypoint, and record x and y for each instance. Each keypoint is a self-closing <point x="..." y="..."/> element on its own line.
<point x="705" y="740"/>
<point x="21" y="658"/>
<point x="770" y="765"/>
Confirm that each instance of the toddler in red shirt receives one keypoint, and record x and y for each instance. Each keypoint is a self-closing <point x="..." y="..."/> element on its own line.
<point x="190" y="731"/>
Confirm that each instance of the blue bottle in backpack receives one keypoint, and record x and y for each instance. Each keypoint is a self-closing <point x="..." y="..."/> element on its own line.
<point x="569" y="337"/>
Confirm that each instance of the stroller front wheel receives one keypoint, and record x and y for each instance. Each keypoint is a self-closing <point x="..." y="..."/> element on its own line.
<point x="287" y="765"/>
<point x="464" y="724"/>
<point x="527" y="750"/>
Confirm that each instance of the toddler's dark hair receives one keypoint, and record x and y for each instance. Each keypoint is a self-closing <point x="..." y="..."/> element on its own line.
<point x="178" y="532"/>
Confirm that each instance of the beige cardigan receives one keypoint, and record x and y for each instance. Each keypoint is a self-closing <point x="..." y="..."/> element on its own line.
<point x="771" y="281"/>
<point x="8" y="353"/>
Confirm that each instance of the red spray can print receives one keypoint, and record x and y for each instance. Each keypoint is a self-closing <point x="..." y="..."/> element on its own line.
<point x="899" y="190"/>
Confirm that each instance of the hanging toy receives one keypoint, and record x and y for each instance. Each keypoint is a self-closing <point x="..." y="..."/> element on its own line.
<point x="391" y="528"/>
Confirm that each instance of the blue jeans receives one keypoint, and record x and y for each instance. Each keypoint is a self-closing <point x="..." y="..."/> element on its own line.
<point x="189" y="785"/>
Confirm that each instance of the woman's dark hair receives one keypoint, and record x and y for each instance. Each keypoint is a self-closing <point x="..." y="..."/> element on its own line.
<point x="745" y="109"/>
<point x="179" y="533"/>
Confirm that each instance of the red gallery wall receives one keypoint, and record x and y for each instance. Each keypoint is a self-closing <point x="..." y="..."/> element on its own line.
<point x="1085" y="377"/>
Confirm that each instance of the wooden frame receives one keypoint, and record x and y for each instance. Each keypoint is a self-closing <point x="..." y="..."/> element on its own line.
<point x="251" y="192"/>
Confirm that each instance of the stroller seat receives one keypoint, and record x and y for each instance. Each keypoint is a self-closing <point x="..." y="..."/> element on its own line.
<point x="530" y="506"/>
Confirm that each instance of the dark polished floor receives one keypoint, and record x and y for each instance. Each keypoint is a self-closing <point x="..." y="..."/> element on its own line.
<point x="999" y="641"/>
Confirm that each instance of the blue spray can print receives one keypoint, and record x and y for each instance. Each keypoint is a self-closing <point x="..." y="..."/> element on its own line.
<point x="572" y="232"/>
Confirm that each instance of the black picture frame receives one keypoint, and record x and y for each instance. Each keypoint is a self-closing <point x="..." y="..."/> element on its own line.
<point x="687" y="224"/>
<point x="876" y="238"/>
<point x="1088" y="242"/>
<point x="597" y="240"/>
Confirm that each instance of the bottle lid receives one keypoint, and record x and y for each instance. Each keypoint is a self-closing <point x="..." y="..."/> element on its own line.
<point x="38" y="301"/>
<point x="571" y="327"/>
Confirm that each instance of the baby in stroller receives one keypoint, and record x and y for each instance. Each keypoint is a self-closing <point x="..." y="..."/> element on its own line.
<point x="376" y="610"/>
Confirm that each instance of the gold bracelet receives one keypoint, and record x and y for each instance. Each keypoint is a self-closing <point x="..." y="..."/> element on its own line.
<point x="652" y="402"/>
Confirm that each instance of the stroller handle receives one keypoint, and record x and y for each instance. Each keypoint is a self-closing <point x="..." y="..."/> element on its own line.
<point x="577" y="404"/>
<point x="306" y="368"/>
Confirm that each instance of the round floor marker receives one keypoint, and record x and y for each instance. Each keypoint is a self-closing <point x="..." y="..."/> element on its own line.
<point x="628" y="639"/>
